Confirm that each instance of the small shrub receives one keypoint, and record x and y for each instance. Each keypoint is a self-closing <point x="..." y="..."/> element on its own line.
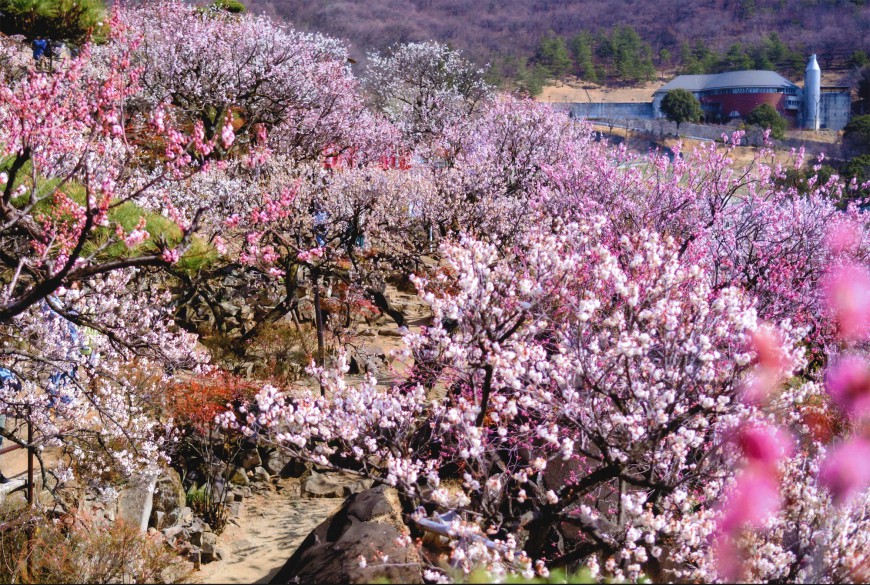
<point x="205" y="449"/>
<point x="75" y="549"/>
<point x="766" y="117"/>
<point x="197" y="498"/>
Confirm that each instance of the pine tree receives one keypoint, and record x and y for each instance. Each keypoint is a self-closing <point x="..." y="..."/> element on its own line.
<point x="735" y="59"/>
<point x="553" y="55"/>
<point x="581" y="49"/>
<point x="632" y="57"/>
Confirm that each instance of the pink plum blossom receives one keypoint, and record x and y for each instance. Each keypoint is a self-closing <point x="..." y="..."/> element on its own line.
<point x="764" y="445"/>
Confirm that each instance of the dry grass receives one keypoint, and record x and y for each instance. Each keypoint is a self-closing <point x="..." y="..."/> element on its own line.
<point x="741" y="156"/>
<point x="581" y="91"/>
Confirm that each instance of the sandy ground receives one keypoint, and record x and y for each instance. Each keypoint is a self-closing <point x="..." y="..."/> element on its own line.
<point x="271" y="527"/>
<point x="580" y="91"/>
<point x="14" y="464"/>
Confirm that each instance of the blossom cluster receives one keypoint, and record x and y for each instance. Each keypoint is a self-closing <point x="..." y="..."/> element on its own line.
<point x="649" y="366"/>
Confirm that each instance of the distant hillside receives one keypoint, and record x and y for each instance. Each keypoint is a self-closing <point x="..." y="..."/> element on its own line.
<point x="507" y="32"/>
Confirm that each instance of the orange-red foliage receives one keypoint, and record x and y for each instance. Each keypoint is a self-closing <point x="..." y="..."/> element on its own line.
<point x="197" y="402"/>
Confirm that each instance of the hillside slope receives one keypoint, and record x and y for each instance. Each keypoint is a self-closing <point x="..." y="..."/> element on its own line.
<point x="490" y="29"/>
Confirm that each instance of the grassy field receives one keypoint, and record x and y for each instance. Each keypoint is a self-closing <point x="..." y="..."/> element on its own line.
<point x="742" y="155"/>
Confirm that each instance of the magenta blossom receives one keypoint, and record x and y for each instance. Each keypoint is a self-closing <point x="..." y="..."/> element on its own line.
<point x="848" y="383"/>
<point x="844" y="237"/>
<point x="767" y="343"/>
<point x="764" y="445"/>
<point x="847" y="292"/>
<point x="845" y="471"/>
<point x="754" y="498"/>
<point x="729" y="560"/>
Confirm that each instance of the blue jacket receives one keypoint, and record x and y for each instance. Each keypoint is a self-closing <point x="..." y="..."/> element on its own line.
<point x="40" y="46"/>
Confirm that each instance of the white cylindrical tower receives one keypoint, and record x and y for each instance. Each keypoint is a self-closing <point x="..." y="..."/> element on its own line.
<point x="812" y="94"/>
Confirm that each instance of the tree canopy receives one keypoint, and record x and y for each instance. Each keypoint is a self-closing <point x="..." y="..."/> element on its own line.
<point x="766" y="117"/>
<point x="856" y="134"/>
<point x="680" y="105"/>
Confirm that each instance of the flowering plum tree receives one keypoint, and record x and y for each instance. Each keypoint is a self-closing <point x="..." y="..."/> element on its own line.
<point x="89" y="365"/>
<point x="425" y="86"/>
<point x="492" y="169"/>
<point x="291" y="109"/>
<point x="576" y="391"/>
<point x="66" y="170"/>
<point x="804" y="517"/>
<point x="87" y="333"/>
<point x="588" y="386"/>
<point x="739" y="224"/>
<point x="264" y="81"/>
<point x="648" y="366"/>
<point x="356" y="230"/>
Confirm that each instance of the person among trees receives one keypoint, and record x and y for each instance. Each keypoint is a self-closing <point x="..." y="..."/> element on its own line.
<point x="61" y="382"/>
<point x="40" y="49"/>
<point x="320" y="217"/>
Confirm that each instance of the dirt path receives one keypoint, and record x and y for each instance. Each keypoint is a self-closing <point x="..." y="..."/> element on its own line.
<point x="270" y="528"/>
<point x="13" y="465"/>
<point x="273" y="524"/>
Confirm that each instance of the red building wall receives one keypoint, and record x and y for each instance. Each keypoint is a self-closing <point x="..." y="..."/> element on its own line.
<point x="746" y="102"/>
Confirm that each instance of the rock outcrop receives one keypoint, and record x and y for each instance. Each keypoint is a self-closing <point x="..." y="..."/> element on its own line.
<point x="369" y="526"/>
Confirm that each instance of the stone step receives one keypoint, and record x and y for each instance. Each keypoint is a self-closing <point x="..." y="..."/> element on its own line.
<point x="13" y="484"/>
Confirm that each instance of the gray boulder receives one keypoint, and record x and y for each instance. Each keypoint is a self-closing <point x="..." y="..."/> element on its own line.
<point x="368" y="525"/>
<point x="169" y="498"/>
<point x="250" y="458"/>
<point x="239" y="476"/>
<point x="261" y="475"/>
<point x="136" y="501"/>
<point x="279" y="462"/>
<point x="333" y="485"/>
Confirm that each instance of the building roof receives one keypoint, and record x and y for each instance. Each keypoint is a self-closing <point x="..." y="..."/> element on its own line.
<point x="727" y="80"/>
